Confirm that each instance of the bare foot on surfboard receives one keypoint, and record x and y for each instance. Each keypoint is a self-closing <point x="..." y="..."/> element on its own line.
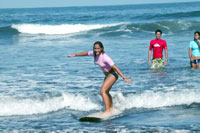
<point x="107" y="113"/>
<point x="97" y="117"/>
<point x="111" y="112"/>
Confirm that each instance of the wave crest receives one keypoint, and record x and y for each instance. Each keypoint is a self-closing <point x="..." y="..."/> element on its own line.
<point x="80" y="102"/>
<point x="57" y="29"/>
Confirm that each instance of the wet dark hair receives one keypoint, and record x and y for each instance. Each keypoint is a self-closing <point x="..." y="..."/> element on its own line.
<point x="100" y="45"/>
<point x="158" y="30"/>
<point x="196" y="32"/>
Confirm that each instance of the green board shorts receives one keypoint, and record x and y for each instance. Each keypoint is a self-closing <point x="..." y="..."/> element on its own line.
<point x="157" y="63"/>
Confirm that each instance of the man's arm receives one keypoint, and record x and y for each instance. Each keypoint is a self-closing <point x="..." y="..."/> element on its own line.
<point x="149" y="57"/>
<point x="166" y="57"/>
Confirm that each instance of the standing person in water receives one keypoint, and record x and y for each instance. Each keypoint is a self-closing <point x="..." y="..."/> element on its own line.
<point x="157" y="45"/>
<point x="194" y="51"/>
<point x="109" y="68"/>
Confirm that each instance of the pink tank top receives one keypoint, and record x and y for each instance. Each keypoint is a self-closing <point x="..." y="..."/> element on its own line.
<point x="103" y="61"/>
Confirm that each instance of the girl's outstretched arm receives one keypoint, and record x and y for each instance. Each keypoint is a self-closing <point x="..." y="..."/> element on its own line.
<point x="121" y="74"/>
<point x="79" y="54"/>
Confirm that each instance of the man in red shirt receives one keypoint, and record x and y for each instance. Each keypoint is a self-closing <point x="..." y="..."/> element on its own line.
<point x="158" y="45"/>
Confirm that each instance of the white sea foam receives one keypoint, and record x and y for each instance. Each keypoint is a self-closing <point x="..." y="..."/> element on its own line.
<point x="148" y="99"/>
<point x="58" y="29"/>
<point x="153" y="99"/>
<point x="10" y="106"/>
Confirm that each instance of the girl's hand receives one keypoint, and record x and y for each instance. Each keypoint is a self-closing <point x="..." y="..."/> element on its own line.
<point x="72" y="55"/>
<point x="127" y="80"/>
<point x="191" y="58"/>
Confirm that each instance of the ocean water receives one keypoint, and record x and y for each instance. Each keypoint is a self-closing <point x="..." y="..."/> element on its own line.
<point x="41" y="90"/>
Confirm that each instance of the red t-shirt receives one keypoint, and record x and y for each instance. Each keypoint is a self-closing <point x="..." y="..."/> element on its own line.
<point x="158" y="46"/>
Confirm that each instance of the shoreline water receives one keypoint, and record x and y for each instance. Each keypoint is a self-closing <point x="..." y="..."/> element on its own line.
<point x="42" y="90"/>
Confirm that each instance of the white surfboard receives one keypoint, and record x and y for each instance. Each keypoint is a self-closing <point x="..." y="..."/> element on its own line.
<point x="98" y="117"/>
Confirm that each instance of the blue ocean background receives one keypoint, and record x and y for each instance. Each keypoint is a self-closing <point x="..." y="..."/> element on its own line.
<point x="41" y="90"/>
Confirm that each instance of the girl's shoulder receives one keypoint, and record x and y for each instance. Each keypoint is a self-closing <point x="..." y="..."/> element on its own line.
<point x="104" y="55"/>
<point x="192" y="42"/>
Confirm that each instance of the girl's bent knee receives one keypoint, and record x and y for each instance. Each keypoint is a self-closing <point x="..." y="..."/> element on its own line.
<point x="102" y="91"/>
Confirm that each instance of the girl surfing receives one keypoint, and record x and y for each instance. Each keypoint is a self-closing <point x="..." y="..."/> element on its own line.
<point x="110" y="70"/>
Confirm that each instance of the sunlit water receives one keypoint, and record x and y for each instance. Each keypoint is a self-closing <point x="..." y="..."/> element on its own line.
<point x="43" y="90"/>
